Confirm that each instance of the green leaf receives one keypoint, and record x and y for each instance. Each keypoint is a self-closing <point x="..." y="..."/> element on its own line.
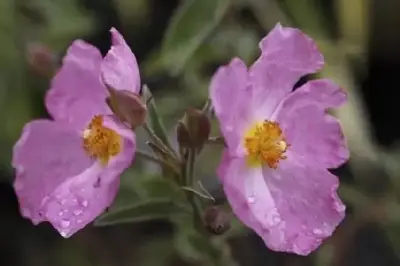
<point x="188" y="29"/>
<point x="144" y="210"/>
<point x="154" y="120"/>
<point x="145" y="200"/>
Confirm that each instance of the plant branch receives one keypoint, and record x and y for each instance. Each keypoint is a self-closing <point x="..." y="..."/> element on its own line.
<point x="166" y="146"/>
<point x="198" y="193"/>
<point x="155" y="159"/>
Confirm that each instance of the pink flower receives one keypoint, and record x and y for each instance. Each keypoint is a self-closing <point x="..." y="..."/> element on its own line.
<point x="281" y="143"/>
<point x="68" y="168"/>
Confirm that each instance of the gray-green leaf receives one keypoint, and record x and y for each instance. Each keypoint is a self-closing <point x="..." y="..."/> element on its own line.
<point x="143" y="210"/>
<point x="145" y="200"/>
<point x="154" y="120"/>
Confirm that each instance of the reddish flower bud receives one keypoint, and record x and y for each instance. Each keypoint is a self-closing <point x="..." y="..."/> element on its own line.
<point x="41" y="59"/>
<point x="217" y="220"/>
<point x="128" y="106"/>
<point x="194" y="129"/>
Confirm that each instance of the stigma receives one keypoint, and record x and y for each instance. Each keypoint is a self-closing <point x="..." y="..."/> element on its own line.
<point x="265" y="144"/>
<point x="100" y="142"/>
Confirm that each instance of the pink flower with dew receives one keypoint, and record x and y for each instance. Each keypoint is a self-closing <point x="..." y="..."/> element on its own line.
<point x="68" y="168"/>
<point x="280" y="143"/>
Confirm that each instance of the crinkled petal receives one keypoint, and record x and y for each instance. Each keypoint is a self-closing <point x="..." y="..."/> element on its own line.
<point x="293" y="208"/>
<point x="57" y="182"/>
<point x="119" y="69"/>
<point x="228" y="92"/>
<point x="76" y="93"/>
<point x="287" y="54"/>
<point x="46" y="155"/>
<point x="234" y="175"/>
<point x="311" y="132"/>
<point x="241" y="97"/>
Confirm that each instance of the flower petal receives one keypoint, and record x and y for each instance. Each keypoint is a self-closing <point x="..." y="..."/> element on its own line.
<point x="228" y="92"/>
<point x="307" y="203"/>
<point x="76" y="93"/>
<point x="47" y="154"/>
<point x="236" y="179"/>
<point x="287" y="54"/>
<point x="57" y="182"/>
<point x="310" y="131"/>
<point x="293" y="208"/>
<point x="120" y="69"/>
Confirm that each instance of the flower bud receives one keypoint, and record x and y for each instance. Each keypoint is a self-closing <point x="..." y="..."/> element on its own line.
<point x="41" y="59"/>
<point x="217" y="220"/>
<point x="128" y="106"/>
<point x="194" y="129"/>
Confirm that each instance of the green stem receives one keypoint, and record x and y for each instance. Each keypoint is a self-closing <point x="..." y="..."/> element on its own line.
<point x="166" y="146"/>
<point x="153" y="158"/>
<point x="187" y="178"/>
<point x="191" y="163"/>
<point x="198" y="213"/>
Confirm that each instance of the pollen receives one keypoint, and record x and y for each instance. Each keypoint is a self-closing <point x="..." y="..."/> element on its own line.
<point x="100" y="142"/>
<point x="265" y="144"/>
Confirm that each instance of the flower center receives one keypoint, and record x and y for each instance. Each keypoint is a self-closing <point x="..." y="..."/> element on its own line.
<point x="101" y="142"/>
<point x="265" y="144"/>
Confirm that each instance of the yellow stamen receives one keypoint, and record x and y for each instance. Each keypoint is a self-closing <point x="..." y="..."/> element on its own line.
<point x="265" y="143"/>
<point x="101" y="142"/>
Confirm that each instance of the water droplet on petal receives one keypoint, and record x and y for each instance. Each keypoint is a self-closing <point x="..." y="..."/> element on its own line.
<point x="61" y="213"/>
<point x="64" y="233"/>
<point x="273" y="218"/>
<point x="79" y="221"/>
<point x="317" y="231"/>
<point x="85" y="203"/>
<point x="339" y="207"/>
<point x="77" y="212"/>
<point x="65" y="223"/>
<point x="326" y="226"/>
<point x="45" y="200"/>
<point x="251" y="199"/>
<point x="276" y="219"/>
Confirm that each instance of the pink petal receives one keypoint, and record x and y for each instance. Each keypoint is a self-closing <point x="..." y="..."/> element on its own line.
<point x="241" y="97"/>
<point x="57" y="182"/>
<point x="76" y="93"/>
<point x="228" y="93"/>
<point x="234" y="174"/>
<point x="293" y="208"/>
<point x="310" y="131"/>
<point x="287" y="54"/>
<point x="119" y="68"/>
